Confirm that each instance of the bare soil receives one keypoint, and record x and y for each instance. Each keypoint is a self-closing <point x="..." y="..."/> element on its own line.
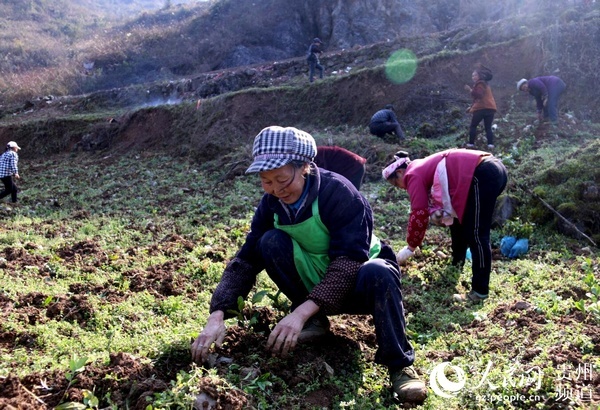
<point x="130" y="380"/>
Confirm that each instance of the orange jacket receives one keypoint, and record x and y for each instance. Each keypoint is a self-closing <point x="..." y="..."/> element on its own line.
<point x="482" y="97"/>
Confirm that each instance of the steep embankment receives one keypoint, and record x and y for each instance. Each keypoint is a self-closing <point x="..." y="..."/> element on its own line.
<point x="432" y="103"/>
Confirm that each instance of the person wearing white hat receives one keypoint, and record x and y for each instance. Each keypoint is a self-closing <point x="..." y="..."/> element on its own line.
<point x="313" y="235"/>
<point x="9" y="170"/>
<point x="547" y="91"/>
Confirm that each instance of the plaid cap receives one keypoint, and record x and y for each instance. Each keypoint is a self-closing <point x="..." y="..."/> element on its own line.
<point x="277" y="146"/>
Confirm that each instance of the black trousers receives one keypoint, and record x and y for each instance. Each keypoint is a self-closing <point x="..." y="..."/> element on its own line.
<point x="376" y="292"/>
<point x="488" y="183"/>
<point x="488" y="117"/>
<point x="10" y="188"/>
<point x="379" y="129"/>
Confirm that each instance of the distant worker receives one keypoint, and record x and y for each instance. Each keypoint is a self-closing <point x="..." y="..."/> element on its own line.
<point x="314" y="52"/>
<point x="484" y="105"/>
<point x="9" y="171"/>
<point x="547" y="91"/>
<point x="342" y="162"/>
<point x="385" y="122"/>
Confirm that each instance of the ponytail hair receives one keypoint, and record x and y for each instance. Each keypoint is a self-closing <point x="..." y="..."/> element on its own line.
<point x="484" y="73"/>
<point x="402" y="154"/>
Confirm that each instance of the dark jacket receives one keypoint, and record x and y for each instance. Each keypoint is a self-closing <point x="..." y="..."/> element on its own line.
<point x="348" y="217"/>
<point x="539" y="87"/>
<point x="314" y="50"/>
<point x="384" y="115"/>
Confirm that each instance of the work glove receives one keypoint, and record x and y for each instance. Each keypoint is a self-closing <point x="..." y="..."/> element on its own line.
<point x="519" y="248"/>
<point x="403" y="255"/>
<point x="506" y="244"/>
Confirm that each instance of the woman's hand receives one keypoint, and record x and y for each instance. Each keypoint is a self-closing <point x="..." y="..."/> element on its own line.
<point x="403" y="255"/>
<point x="284" y="336"/>
<point x="468" y="88"/>
<point x="213" y="332"/>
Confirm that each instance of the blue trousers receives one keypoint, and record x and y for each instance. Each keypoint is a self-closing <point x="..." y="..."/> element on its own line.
<point x="312" y="65"/>
<point x="551" y="107"/>
<point x="376" y="292"/>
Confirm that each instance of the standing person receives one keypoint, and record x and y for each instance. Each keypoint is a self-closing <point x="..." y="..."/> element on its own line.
<point x="385" y="121"/>
<point x="484" y="105"/>
<point x="456" y="188"/>
<point x="314" y="52"/>
<point x="546" y="91"/>
<point x="9" y="171"/>
<point x="313" y="234"/>
<point x="343" y="162"/>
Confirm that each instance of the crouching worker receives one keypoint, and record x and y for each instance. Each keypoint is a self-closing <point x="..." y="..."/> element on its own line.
<point x="313" y="234"/>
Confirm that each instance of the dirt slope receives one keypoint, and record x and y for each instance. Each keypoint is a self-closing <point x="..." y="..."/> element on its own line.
<point x="430" y="104"/>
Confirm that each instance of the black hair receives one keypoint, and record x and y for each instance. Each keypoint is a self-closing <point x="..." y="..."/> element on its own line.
<point x="389" y="107"/>
<point x="484" y="73"/>
<point x="402" y="154"/>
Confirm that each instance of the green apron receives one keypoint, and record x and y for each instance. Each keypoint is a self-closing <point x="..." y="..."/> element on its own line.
<point x="310" y="240"/>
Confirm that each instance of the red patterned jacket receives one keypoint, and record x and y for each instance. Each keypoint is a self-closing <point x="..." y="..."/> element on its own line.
<point x="418" y="179"/>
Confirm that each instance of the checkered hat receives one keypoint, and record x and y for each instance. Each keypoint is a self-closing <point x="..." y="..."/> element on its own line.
<point x="277" y="146"/>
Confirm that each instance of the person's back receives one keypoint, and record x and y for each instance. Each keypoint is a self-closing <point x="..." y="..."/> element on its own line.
<point x="385" y="121"/>
<point x="384" y="115"/>
<point x="343" y="162"/>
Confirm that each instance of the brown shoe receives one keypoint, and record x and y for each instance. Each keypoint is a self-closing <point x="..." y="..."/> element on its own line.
<point x="407" y="387"/>
<point x="315" y="328"/>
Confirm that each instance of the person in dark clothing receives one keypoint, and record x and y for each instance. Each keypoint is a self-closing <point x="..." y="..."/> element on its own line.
<point x="547" y="91"/>
<point x="314" y="52"/>
<point x="385" y="122"/>
<point x="343" y="162"/>
<point x="484" y="105"/>
<point x="313" y="235"/>
<point x="9" y="171"/>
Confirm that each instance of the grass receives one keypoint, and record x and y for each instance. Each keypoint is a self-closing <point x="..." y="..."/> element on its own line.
<point x="113" y="255"/>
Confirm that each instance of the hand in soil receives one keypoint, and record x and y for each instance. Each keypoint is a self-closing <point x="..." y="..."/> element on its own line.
<point x="213" y="332"/>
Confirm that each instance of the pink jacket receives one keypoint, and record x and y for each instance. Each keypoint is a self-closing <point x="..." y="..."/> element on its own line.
<point x="419" y="179"/>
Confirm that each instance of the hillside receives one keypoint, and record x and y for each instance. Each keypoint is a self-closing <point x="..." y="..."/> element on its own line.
<point x="192" y="115"/>
<point x="47" y="49"/>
